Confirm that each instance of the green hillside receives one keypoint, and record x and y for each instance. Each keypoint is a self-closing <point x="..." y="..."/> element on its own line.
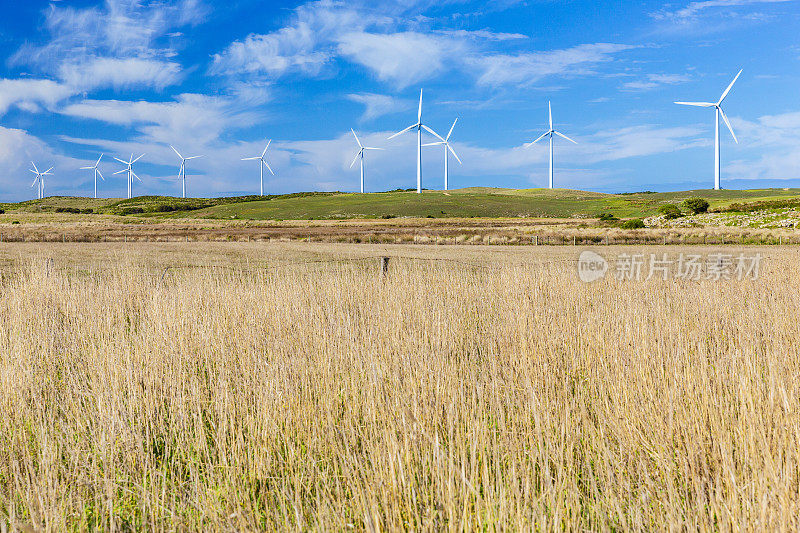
<point x="472" y="202"/>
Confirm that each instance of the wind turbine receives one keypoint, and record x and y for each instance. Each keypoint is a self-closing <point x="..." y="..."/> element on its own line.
<point x="39" y="178"/>
<point x="129" y="170"/>
<point x="182" y="171"/>
<point x="96" y="173"/>
<point x="419" y="126"/>
<point x="718" y="113"/>
<point x="262" y="164"/>
<point x="550" y="133"/>
<point x="360" y="155"/>
<point x="447" y="150"/>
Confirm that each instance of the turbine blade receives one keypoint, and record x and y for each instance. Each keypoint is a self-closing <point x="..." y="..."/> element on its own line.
<point x="268" y="167"/>
<point x="87" y="168"/>
<point x="121" y="161"/>
<point x="135" y="176"/>
<point x="537" y="140"/>
<point x="98" y="159"/>
<point x="265" y="149"/>
<point x="48" y="170"/>
<point x="727" y="123"/>
<point x="138" y="158"/>
<point x="34" y="166"/>
<point x="696" y="104"/>
<point x="435" y="144"/>
<point x="177" y="152"/>
<point x="34" y="181"/>
<point x="250" y="158"/>
<point x="34" y="171"/>
<point x="419" y="113"/>
<point x="725" y="94"/>
<point x="120" y="172"/>
<point x="356" y="157"/>
<point x="356" y="136"/>
<point x="451" y="130"/>
<point x="426" y="128"/>
<point x="565" y="137"/>
<point x="368" y="148"/>
<point x="550" y="110"/>
<point x="402" y="132"/>
<point x="101" y="175"/>
<point x="454" y="153"/>
<point x="194" y="157"/>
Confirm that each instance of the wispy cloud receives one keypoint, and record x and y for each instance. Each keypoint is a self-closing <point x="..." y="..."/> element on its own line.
<point x="532" y="67"/>
<point x="378" y="105"/>
<point x="121" y="44"/>
<point x="653" y="81"/>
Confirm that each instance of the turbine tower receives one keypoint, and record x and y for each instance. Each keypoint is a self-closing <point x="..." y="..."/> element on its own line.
<point x="360" y="155"/>
<point x="262" y="164"/>
<point x="550" y="133"/>
<point x="718" y="112"/>
<point x="419" y="126"/>
<point x="129" y="170"/>
<point x="182" y="171"/>
<point x="96" y="173"/>
<point x="447" y="150"/>
<point x="39" y="179"/>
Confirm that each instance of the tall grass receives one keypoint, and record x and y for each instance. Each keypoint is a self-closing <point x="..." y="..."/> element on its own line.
<point x="443" y="396"/>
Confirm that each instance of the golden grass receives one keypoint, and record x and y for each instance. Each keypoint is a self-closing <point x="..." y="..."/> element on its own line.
<point x="247" y="390"/>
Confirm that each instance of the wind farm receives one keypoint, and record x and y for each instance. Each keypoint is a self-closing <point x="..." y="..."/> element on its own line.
<point x="531" y="305"/>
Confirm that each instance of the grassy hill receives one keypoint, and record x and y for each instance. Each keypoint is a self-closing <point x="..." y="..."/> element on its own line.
<point x="472" y="202"/>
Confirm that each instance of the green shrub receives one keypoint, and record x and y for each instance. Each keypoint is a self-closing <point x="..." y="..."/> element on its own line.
<point x="607" y="217"/>
<point x="634" y="223"/>
<point x="670" y="211"/>
<point x="696" y="205"/>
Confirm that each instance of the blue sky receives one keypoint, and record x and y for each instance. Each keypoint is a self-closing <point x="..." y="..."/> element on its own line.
<point x="220" y="78"/>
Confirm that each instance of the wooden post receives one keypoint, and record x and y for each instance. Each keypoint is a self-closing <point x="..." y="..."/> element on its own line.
<point x="384" y="266"/>
<point x="574" y="240"/>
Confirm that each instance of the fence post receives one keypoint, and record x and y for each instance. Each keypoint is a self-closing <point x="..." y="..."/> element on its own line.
<point x="574" y="240"/>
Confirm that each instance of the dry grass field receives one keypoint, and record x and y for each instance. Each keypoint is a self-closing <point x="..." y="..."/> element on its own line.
<point x="292" y="387"/>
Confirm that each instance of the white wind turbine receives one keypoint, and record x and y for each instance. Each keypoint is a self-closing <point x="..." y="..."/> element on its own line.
<point x="360" y="155"/>
<point x="263" y="163"/>
<point x="718" y="113"/>
<point x="182" y="171"/>
<point x="419" y="126"/>
<point x="129" y="170"/>
<point x="550" y="133"/>
<point x="96" y="173"/>
<point x="39" y="178"/>
<point x="447" y="150"/>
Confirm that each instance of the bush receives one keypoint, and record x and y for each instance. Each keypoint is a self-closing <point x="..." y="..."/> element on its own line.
<point x="131" y="211"/>
<point x="670" y="211"/>
<point x="696" y="205"/>
<point x="607" y="217"/>
<point x="634" y="223"/>
<point x="2" y="211"/>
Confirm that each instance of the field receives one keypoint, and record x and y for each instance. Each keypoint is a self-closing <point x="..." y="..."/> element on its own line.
<point x="293" y="386"/>
<point x="467" y="216"/>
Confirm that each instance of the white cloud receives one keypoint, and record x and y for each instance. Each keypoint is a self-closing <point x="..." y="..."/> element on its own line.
<point x="120" y="73"/>
<point x="122" y="44"/>
<point x="378" y="105"/>
<point x="695" y="9"/>
<point x="653" y="81"/>
<point x="30" y="94"/>
<point x="401" y="58"/>
<point x="191" y="116"/>
<point x="305" y="45"/>
<point x="529" y="68"/>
